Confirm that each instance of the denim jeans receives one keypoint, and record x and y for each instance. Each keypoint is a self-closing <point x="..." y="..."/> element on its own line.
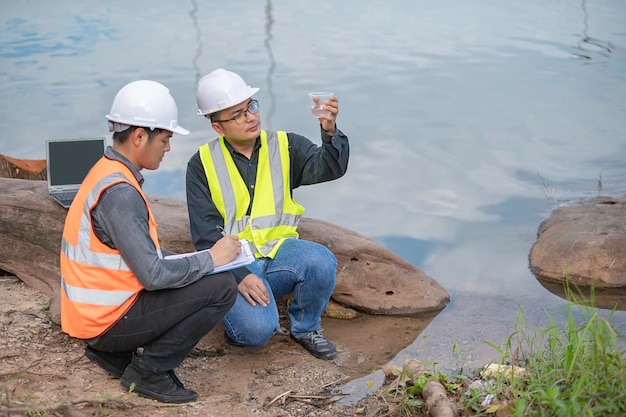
<point x="306" y="269"/>
<point x="169" y="323"/>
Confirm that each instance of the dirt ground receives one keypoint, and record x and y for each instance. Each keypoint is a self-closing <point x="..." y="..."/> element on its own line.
<point x="43" y="372"/>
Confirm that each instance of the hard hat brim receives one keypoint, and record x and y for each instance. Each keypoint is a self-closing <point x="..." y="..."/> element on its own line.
<point x="181" y="130"/>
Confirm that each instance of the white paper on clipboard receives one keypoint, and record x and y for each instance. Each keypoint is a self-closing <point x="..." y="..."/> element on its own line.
<point x="245" y="257"/>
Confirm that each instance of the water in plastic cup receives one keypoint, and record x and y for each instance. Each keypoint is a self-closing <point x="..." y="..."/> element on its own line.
<point x="318" y="107"/>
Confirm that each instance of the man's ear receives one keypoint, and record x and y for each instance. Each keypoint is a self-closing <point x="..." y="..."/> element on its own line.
<point x="138" y="136"/>
<point x="218" y="129"/>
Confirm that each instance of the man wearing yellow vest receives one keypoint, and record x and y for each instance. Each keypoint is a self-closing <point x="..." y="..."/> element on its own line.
<point x="118" y="293"/>
<point x="241" y="184"/>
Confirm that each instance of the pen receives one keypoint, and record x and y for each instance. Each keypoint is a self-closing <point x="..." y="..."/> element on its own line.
<point x="221" y="230"/>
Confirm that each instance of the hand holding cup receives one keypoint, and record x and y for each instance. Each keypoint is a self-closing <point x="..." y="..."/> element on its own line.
<point x="319" y="99"/>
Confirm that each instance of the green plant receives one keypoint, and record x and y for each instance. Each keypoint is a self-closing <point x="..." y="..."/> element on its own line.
<point x="45" y="308"/>
<point x="576" y="369"/>
<point x="103" y="412"/>
<point x="36" y="413"/>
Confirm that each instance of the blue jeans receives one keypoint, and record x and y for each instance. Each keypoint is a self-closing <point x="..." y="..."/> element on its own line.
<point x="306" y="269"/>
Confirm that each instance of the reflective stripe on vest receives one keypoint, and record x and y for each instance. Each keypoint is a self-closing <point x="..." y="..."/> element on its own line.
<point x="97" y="286"/>
<point x="275" y="215"/>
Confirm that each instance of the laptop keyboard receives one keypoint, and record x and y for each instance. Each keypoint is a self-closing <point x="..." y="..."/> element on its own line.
<point x="65" y="196"/>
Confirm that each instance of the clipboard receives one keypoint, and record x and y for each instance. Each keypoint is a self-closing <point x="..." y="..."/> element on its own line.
<point x="245" y="257"/>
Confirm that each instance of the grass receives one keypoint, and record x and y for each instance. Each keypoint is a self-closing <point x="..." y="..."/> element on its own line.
<point x="574" y="368"/>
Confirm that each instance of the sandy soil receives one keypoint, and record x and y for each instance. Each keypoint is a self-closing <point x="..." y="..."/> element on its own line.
<point x="43" y="372"/>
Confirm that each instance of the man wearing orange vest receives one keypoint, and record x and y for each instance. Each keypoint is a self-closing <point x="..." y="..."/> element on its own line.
<point x="118" y="292"/>
<point x="241" y="184"/>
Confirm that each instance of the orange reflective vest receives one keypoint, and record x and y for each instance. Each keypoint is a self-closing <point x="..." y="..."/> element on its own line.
<point x="97" y="286"/>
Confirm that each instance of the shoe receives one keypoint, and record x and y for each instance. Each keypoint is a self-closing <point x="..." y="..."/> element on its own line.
<point x="175" y="378"/>
<point x="113" y="362"/>
<point x="317" y="345"/>
<point x="163" y="386"/>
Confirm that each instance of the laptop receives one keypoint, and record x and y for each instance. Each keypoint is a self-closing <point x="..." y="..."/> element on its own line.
<point x="68" y="161"/>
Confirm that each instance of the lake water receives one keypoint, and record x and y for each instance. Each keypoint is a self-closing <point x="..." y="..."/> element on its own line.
<point x="469" y="121"/>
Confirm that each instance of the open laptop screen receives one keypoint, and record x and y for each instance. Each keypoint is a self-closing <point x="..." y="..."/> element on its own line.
<point x="70" y="160"/>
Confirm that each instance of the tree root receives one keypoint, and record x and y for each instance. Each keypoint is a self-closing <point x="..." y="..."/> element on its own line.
<point x="434" y="394"/>
<point x="436" y="399"/>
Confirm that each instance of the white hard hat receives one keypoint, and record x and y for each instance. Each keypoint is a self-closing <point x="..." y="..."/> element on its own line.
<point x="144" y="103"/>
<point x="221" y="89"/>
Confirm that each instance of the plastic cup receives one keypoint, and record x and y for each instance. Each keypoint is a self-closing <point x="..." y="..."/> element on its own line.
<point x="319" y="97"/>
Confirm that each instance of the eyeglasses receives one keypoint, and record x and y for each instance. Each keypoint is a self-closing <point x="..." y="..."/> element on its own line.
<point x="253" y="108"/>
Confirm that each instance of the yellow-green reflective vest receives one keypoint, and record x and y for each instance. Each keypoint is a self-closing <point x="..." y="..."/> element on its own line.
<point x="275" y="215"/>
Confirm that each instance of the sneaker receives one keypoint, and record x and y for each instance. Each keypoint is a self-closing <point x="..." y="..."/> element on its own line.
<point x="113" y="362"/>
<point x="175" y="378"/>
<point x="163" y="386"/>
<point x="317" y="345"/>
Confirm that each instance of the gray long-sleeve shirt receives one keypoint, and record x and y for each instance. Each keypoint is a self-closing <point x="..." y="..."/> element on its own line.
<point x="120" y="221"/>
<point x="310" y="164"/>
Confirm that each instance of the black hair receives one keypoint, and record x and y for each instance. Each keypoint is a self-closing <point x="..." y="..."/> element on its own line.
<point x="121" y="137"/>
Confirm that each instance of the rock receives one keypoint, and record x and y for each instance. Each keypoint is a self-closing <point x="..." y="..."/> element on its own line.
<point x="337" y="311"/>
<point x="412" y="369"/>
<point x="370" y="278"/>
<point x="493" y="370"/>
<point x="584" y="246"/>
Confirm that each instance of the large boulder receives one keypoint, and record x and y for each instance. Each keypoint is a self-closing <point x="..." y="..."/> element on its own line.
<point x="370" y="278"/>
<point x="583" y="246"/>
